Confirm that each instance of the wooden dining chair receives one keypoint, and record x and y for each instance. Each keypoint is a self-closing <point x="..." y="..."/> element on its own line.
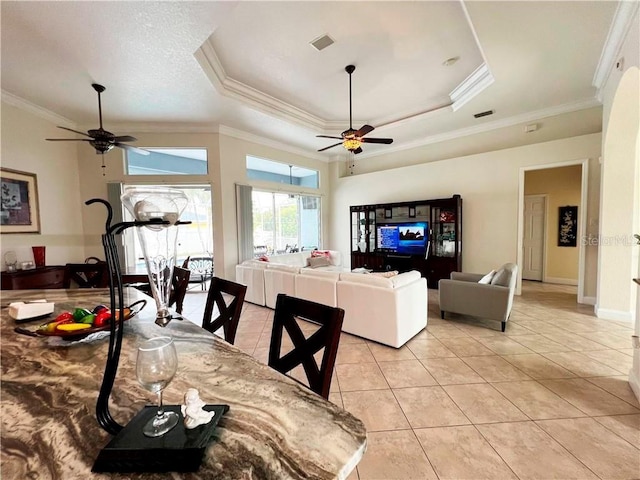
<point x="179" y="284"/>
<point x="228" y="314"/>
<point x="87" y="275"/>
<point x="288" y="309"/>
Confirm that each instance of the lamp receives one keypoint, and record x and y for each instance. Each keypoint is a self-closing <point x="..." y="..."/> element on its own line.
<point x="352" y="144"/>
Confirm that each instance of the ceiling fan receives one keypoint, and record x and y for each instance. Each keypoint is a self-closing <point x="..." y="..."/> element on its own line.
<point x="101" y="139"/>
<point x="352" y="139"/>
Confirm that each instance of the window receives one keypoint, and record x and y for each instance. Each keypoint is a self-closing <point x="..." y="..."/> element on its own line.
<point x="284" y="223"/>
<point x="269" y="171"/>
<point x="167" y="161"/>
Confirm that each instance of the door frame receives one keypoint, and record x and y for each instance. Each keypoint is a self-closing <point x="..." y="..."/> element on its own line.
<point x="582" y="222"/>
<point x="544" y="232"/>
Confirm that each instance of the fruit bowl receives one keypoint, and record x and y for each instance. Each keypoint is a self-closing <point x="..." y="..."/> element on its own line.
<point x="81" y="332"/>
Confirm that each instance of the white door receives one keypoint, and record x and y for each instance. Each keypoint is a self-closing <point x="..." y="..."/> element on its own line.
<point x="534" y="237"/>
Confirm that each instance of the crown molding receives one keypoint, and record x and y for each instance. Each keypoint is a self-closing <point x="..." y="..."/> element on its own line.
<point x="231" y="88"/>
<point x="228" y="87"/>
<point x="22" y="104"/>
<point x="471" y="86"/>
<point x="151" y="127"/>
<point x="494" y="125"/>
<point x="250" y="137"/>
<point x="620" y="25"/>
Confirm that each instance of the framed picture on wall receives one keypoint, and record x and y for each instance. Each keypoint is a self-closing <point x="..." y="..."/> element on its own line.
<point x="412" y="212"/>
<point x="568" y="226"/>
<point x="19" y="212"/>
<point x="388" y="213"/>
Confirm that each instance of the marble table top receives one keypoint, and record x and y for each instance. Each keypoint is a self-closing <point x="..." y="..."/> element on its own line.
<point x="275" y="428"/>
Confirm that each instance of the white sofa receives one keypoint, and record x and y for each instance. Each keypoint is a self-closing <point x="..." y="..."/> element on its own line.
<point x="387" y="310"/>
<point x="264" y="280"/>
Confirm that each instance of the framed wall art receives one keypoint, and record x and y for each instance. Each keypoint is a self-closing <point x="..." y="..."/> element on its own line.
<point x="20" y="211"/>
<point x="567" y="226"/>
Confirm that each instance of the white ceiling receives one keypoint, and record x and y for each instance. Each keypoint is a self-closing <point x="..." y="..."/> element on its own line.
<point x="249" y="66"/>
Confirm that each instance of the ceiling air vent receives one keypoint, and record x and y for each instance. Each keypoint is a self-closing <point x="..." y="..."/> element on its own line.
<point x="322" y="42"/>
<point x="483" y="114"/>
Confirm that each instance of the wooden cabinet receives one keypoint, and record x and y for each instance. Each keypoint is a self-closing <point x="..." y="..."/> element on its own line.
<point x="37" y="278"/>
<point x="442" y="253"/>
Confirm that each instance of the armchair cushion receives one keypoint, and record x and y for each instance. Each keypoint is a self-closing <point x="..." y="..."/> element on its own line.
<point x="462" y="294"/>
<point x="488" y="277"/>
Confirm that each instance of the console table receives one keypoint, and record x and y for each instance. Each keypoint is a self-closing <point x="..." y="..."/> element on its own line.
<point x="36" y="278"/>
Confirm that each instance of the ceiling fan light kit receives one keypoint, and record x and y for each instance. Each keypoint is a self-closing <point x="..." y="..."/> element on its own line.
<point x="353" y="139"/>
<point x="99" y="138"/>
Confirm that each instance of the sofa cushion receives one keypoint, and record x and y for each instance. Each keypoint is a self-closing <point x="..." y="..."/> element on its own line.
<point x="366" y="279"/>
<point x="487" y="278"/>
<point x="283" y="268"/>
<point x="324" y="273"/>
<point x="315" y="262"/>
<point x="405" y="278"/>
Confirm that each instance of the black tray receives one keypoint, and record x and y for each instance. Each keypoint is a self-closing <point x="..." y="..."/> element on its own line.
<point x="179" y="450"/>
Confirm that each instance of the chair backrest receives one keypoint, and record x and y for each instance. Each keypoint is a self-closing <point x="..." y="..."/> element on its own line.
<point x="88" y="275"/>
<point x="327" y="336"/>
<point x="179" y="284"/>
<point x="228" y="314"/>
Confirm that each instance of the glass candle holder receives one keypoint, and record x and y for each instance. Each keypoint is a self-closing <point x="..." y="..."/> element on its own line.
<point x="158" y="241"/>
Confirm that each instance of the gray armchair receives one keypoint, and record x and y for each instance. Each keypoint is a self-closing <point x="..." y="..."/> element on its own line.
<point x="464" y="295"/>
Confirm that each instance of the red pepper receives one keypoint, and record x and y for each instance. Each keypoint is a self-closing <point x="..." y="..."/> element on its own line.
<point x="102" y="318"/>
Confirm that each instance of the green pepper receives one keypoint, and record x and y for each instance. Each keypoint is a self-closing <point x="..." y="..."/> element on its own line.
<point x="80" y="313"/>
<point x="88" y="319"/>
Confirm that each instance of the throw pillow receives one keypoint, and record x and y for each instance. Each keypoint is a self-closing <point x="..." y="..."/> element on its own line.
<point x="390" y="274"/>
<point x="263" y="258"/>
<point x="487" y="278"/>
<point x="320" y="253"/>
<point x="315" y="262"/>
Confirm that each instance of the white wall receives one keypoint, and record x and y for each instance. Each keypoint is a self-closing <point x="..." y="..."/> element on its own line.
<point x="619" y="200"/>
<point x="24" y="148"/>
<point x="487" y="182"/>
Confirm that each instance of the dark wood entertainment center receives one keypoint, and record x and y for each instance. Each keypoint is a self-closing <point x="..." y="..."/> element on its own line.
<point x="436" y="260"/>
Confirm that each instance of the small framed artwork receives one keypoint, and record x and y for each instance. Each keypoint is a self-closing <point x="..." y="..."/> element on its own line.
<point x="568" y="226"/>
<point x="388" y="213"/>
<point x="19" y="193"/>
<point x="412" y="212"/>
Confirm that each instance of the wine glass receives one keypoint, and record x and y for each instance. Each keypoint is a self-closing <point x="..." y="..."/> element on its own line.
<point x="156" y="365"/>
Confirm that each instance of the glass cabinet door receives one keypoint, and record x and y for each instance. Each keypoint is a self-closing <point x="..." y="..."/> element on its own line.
<point x="444" y="232"/>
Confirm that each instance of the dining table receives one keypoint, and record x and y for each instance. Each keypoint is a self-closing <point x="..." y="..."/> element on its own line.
<point x="275" y="428"/>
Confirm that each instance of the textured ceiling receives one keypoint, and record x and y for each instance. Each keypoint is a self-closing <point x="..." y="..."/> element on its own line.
<point x="541" y="55"/>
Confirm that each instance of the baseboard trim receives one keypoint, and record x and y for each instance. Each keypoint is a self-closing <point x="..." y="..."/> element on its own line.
<point x="560" y="281"/>
<point x="588" y="301"/>
<point x="617" y="315"/>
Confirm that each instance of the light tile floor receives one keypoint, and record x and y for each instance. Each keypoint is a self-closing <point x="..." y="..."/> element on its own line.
<point x="548" y="398"/>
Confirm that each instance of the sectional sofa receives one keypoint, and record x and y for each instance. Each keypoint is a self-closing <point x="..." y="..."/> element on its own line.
<point x="387" y="310"/>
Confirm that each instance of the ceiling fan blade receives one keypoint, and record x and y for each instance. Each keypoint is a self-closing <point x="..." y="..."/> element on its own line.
<point x="357" y="150"/>
<point x="330" y="146"/>
<point x="327" y="136"/>
<point x="131" y="148"/>
<point x="364" y="130"/>
<point x="68" y="139"/>
<point x="125" y="138"/>
<point x="76" y="131"/>
<point x="386" y="141"/>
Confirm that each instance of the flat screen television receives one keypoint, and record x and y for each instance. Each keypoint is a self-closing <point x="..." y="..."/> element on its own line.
<point x="409" y="238"/>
